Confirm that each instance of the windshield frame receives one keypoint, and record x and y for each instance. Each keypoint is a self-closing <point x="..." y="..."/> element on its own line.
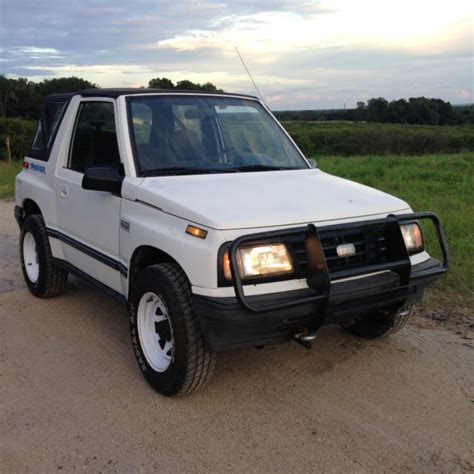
<point x="131" y="135"/>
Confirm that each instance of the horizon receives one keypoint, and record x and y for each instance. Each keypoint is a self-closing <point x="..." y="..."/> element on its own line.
<point x="333" y="53"/>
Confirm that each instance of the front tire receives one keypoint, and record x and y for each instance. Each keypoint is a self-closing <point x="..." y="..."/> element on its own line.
<point x="166" y="337"/>
<point x="382" y="324"/>
<point x="42" y="276"/>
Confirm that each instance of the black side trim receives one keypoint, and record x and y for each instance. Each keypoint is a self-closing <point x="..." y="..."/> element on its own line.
<point x="71" y="268"/>
<point x="106" y="260"/>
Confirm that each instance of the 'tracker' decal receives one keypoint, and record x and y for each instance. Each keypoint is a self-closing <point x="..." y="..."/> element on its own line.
<point x="38" y="168"/>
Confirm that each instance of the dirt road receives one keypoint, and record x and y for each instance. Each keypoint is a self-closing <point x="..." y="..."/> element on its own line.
<point x="72" y="398"/>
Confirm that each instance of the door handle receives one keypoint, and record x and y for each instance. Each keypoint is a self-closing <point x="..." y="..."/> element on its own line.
<point x="63" y="191"/>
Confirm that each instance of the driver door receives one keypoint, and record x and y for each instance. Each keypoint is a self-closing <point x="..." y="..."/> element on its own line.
<point x="89" y="220"/>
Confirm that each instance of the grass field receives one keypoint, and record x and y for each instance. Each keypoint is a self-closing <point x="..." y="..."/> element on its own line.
<point x="360" y="138"/>
<point x="443" y="184"/>
<point x="7" y="178"/>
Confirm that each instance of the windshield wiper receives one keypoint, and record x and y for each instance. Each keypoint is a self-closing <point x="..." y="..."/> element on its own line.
<point x="182" y="170"/>
<point x="263" y="168"/>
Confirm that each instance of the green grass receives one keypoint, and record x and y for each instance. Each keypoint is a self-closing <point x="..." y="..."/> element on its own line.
<point x="359" y="138"/>
<point x="7" y="178"/>
<point x="443" y="184"/>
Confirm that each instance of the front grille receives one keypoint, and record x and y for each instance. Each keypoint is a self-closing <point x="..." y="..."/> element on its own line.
<point x="369" y="242"/>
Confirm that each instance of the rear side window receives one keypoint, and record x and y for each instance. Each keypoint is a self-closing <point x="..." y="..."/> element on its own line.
<point x="95" y="139"/>
<point x="47" y="127"/>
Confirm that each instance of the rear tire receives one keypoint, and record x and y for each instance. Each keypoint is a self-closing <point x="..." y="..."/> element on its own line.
<point x="166" y="337"/>
<point x="42" y="276"/>
<point x="379" y="325"/>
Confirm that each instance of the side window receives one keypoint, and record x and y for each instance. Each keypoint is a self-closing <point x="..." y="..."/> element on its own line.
<point x="95" y="139"/>
<point x="47" y="126"/>
<point x="38" y="140"/>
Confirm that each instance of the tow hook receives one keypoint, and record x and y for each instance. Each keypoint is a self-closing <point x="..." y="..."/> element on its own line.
<point x="305" y="338"/>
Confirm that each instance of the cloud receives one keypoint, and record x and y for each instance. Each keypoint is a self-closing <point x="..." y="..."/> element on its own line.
<point x="94" y="69"/>
<point x="38" y="51"/>
<point x="303" y="54"/>
<point x="417" y="26"/>
<point x="260" y="33"/>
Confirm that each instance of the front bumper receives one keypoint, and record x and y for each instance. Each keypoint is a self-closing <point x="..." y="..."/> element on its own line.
<point x="227" y="325"/>
<point x="245" y="321"/>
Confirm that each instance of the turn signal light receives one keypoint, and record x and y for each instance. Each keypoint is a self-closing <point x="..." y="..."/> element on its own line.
<point x="196" y="231"/>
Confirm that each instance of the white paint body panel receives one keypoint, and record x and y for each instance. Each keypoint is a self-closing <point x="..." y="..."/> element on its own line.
<point x="266" y="199"/>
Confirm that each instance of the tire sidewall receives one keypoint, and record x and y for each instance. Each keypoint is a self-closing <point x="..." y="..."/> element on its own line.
<point x="32" y="225"/>
<point x="168" y="382"/>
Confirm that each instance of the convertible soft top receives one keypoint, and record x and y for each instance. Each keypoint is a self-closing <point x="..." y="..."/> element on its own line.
<point x="116" y="92"/>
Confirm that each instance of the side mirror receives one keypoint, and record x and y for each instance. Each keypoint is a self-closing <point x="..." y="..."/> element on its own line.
<point x="106" y="178"/>
<point x="312" y="163"/>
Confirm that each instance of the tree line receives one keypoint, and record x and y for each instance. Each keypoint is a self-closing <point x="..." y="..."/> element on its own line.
<point x="416" y="111"/>
<point x="22" y="98"/>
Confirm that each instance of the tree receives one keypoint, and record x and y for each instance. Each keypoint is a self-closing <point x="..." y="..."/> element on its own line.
<point x="377" y="109"/>
<point x="64" y="85"/>
<point x="360" y="112"/>
<point x="422" y="111"/>
<point x="161" y="83"/>
<point x="447" y="115"/>
<point x="19" y="98"/>
<point x="5" y="95"/>
<point x="397" y="111"/>
<point x="23" y="98"/>
<point x="208" y="86"/>
<point x="187" y="85"/>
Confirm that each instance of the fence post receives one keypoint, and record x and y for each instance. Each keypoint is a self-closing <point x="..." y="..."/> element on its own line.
<point x="9" y="152"/>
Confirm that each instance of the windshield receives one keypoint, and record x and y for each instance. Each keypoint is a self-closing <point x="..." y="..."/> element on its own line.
<point x="181" y="134"/>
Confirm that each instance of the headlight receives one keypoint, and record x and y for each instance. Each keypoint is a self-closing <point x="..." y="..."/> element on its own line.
<point x="413" y="237"/>
<point x="260" y="261"/>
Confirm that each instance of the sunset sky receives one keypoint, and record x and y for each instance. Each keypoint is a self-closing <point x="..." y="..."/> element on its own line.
<point x="302" y="54"/>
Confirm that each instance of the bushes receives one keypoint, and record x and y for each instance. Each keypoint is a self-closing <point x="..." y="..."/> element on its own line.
<point x="317" y="138"/>
<point x="348" y="138"/>
<point x="20" y="133"/>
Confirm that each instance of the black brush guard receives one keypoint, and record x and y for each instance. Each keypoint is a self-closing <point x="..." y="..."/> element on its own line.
<point x="318" y="277"/>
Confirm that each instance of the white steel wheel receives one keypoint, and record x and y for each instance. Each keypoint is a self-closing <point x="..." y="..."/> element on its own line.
<point x="155" y="331"/>
<point x="30" y="257"/>
<point x="166" y="335"/>
<point x="42" y="276"/>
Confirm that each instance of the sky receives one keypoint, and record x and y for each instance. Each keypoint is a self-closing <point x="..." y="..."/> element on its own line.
<point x="302" y="54"/>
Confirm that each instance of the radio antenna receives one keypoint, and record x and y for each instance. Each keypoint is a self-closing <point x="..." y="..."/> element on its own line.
<point x="250" y="75"/>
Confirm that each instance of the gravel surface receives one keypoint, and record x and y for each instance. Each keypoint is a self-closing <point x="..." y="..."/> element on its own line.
<point x="72" y="397"/>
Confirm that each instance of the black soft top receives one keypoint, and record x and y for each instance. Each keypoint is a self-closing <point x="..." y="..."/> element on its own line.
<point x="116" y="92"/>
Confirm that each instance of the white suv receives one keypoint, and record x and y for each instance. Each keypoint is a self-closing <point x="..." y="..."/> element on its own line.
<point x="201" y="213"/>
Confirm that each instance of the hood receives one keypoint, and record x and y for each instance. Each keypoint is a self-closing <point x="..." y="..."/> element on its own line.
<point x="264" y="199"/>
